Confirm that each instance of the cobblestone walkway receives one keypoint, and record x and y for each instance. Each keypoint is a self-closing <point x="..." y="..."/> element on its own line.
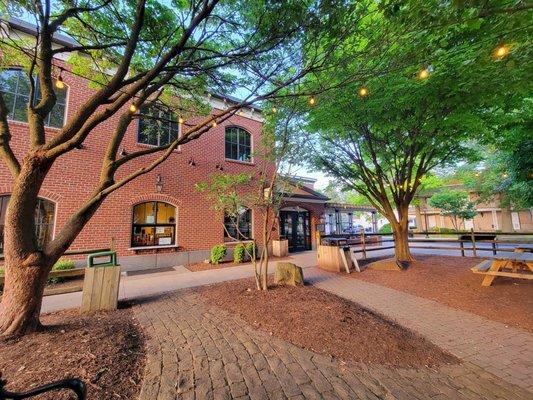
<point x="505" y="351"/>
<point x="201" y="352"/>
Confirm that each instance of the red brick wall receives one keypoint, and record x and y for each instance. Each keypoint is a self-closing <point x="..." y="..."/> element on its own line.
<point x="74" y="176"/>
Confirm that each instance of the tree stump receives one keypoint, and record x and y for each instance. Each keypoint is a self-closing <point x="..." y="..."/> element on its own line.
<point x="288" y="274"/>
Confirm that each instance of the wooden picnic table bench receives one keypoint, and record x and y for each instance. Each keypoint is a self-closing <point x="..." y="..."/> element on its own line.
<point x="516" y="265"/>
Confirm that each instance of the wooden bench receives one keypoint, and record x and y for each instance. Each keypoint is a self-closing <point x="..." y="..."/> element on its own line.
<point x="69" y="273"/>
<point x="518" y="265"/>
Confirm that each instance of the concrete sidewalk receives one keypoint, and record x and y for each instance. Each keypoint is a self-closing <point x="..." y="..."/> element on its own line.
<point x="504" y="351"/>
<point x="163" y="282"/>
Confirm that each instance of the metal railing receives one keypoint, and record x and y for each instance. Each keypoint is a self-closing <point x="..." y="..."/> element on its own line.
<point x="75" y="252"/>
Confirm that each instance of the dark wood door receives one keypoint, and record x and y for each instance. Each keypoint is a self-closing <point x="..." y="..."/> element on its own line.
<point x="295" y="226"/>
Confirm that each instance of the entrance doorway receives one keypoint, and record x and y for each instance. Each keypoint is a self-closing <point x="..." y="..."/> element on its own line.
<point x="295" y="226"/>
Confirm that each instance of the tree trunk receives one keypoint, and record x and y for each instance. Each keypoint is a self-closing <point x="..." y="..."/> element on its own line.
<point x="401" y="244"/>
<point x="400" y="229"/>
<point x="22" y="298"/>
<point x="26" y="267"/>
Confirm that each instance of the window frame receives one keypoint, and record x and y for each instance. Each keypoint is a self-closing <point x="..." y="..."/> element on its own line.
<point x="50" y="231"/>
<point x="229" y="239"/>
<point x="239" y="129"/>
<point x="154" y="225"/>
<point x="141" y="121"/>
<point x="16" y="95"/>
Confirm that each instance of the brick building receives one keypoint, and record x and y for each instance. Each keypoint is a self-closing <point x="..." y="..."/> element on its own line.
<point x="158" y="219"/>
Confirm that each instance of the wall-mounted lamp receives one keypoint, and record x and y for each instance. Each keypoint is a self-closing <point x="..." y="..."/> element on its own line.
<point x="220" y="167"/>
<point x="158" y="183"/>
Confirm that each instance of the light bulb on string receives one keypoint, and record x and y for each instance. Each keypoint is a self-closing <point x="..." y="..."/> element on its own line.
<point x="133" y="108"/>
<point x="274" y="110"/>
<point x="214" y="124"/>
<point x="363" y="92"/>
<point x="180" y="120"/>
<point x="423" y="73"/>
<point x="501" y="51"/>
<point x="312" y="101"/>
<point x="59" y="82"/>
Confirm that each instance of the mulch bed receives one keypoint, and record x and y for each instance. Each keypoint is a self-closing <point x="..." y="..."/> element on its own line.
<point x="105" y="350"/>
<point x="449" y="281"/>
<point x="202" y="266"/>
<point x="326" y="324"/>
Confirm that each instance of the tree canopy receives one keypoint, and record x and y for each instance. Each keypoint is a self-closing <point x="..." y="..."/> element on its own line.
<point x="443" y="75"/>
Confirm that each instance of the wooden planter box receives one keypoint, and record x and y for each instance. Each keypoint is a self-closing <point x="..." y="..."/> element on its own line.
<point x="334" y="258"/>
<point x="280" y="248"/>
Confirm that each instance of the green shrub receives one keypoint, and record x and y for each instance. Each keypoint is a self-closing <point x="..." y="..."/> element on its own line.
<point x="250" y="250"/>
<point x="63" y="264"/>
<point x="238" y="253"/>
<point x="385" y="229"/>
<point x="218" y="253"/>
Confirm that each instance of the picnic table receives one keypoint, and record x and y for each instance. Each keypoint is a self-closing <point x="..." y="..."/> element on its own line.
<point x="515" y="265"/>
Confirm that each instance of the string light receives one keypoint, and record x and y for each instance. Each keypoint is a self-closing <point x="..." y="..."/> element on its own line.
<point x="180" y="120"/>
<point x="59" y="82"/>
<point x="274" y="110"/>
<point x="363" y="92"/>
<point x="501" y="51"/>
<point x="214" y="124"/>
<point x="423" y="73"/>
<point x="133" y="108"/>
<point x="312" y="101"/>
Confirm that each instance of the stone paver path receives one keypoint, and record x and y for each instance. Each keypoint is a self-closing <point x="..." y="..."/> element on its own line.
<point x="505" y="351"/>
<point x="201" y="352"/>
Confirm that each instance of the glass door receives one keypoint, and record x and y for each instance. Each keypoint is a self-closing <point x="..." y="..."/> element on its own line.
<point x="296" y="228"/>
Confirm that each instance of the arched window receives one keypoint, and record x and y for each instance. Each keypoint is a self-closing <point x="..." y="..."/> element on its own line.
<point x="154" y="224"/>
<point x="15" y="88"/>
<point x="44" y="220"/>
<point x="159" y="128"/>
<point x="238" y="144"/>
<point x="239" y="226"/>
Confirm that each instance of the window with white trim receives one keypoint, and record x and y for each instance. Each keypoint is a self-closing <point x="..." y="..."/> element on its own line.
<point x="15" y="88"/>
<point x="238" y="144"/>
<point x="43" y="219"/>
<point x="157" y="127"/>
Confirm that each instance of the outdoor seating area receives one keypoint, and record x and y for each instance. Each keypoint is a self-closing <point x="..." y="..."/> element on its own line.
<point x="266" y="200"/>
<point x="518" y="265"/>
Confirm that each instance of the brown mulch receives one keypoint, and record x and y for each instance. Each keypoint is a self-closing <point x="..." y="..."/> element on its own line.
<point x="449" y="281"/>
<point x="326" y="324"/>
<point x="202" y="266"/>
<point x="105" y="350"/>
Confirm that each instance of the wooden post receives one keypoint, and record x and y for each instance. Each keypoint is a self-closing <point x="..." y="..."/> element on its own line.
<point x="473" y="238"/>
<point x="363" y="243"/>
<point x="462" y="248"/>
<point x="493" y="248"/>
